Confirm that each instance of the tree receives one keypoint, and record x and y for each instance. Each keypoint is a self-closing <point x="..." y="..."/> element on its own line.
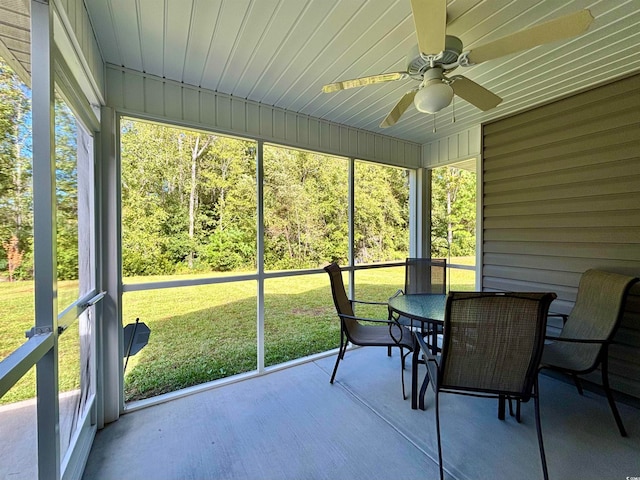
<point x="14" y="255"/>
<point x="381" y="213"/>
<point x="16" y="211"/>
<point x="453" y="212"/>
<point x="189" y="203"/>
<point x="66" y="142"/>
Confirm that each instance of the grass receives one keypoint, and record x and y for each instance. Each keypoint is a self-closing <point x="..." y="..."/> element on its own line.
<point x="203" y="333"/>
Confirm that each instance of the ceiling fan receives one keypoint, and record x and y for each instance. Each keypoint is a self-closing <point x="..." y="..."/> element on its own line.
<point x="438" y="54"/>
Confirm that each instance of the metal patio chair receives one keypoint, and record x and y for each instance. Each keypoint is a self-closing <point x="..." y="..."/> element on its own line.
<point x="366" y="332"/>
<point x="583" y="344"/>
<point x="423" y="275"/>
<point x="492" y="348"/>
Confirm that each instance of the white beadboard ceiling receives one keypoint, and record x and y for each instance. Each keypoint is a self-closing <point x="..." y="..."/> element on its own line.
<point x="281" y="52"/>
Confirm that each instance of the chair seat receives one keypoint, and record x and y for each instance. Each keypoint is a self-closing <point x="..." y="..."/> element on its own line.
<point x="370" y="335"/>
<point x="574" y="357"/>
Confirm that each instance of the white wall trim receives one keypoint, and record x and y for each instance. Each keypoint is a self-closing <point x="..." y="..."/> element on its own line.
<point x="134" y="93"/>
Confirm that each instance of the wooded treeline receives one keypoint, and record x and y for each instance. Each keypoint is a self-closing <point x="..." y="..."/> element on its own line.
<point x="16" y="182"/>
<point x="189" y="201"/>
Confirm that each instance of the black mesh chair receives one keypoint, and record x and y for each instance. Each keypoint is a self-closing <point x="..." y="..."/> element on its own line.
<point x="583" y="344"/>
<point x="492" y="348"/>
<point x="423" y="276"/>
<point x="364" y="331"/>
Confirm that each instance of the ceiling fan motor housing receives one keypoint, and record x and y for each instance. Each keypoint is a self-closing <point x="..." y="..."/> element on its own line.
<point x="417" y="65"/>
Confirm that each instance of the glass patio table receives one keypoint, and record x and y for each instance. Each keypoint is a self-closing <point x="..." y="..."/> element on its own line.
<point x="424" y="311"/>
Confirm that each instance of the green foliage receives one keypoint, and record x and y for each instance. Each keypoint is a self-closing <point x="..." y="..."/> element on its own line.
<point x="16" y="215"/>
<point x="453" y="212"/>
<point x="227" y="250"/>
<point x="189" y="204"/>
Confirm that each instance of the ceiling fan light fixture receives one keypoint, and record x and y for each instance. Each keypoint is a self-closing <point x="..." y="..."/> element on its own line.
<point x="433" y="97"/>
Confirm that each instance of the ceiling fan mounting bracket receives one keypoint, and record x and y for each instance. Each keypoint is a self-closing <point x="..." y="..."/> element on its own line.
<point x="463" y="60"/>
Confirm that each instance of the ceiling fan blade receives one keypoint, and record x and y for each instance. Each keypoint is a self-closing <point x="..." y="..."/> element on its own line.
<point x="362" y="81"/>
<point x="430" y="18"/>
<point x="563" y="27"/>
<point x="399" y="109"/>
<point x="474" y="93"/>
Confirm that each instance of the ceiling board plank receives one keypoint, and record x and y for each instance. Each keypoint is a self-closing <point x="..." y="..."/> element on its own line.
<point x="125" y="20"/>
<point x="226" y="26"/>
<point x="270" y="24"/>
<point x="177" y="37"/>
<point x="200" y="40"/>
<point x="152" y="24"/>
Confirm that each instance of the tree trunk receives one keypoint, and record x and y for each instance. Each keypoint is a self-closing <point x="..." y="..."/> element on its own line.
<point x="192" y="199"/>
<point x="449" y="224"/>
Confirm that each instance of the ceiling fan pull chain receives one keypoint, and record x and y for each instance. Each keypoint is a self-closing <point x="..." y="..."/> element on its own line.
<point x="453" y="109"/>
<point x="434" y="123"/>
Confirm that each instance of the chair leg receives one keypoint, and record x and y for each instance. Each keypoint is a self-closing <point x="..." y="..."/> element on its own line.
<point x="607" y="389"/>
<point x="388" y="351"/>
<point x="423" y="391"/>
<point x="335" y="367"/>
<point x="578" y="384"/>
<point x="536" y="405"/>
<point x="404" y="395"/>
<point x="438" y="435"/>
<point x="501" y="407"/>
<point x="341" y="350"/>
<point x="518" y="403"/>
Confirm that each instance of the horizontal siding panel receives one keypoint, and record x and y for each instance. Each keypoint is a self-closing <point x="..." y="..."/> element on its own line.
<point x="585" y="145"/>
<point x="550" y="263"/>
<point x="609" y="186"/>
<point x="535" y="278"/>
<point x="627" y="86"/>
<point x="600" y="203"/>
<point x="599" y="255"/>
<point x="571" y="124"/>
<point x="615" y="218"/>
<point x="536" y="164"/>
<point x="561" y="194"/>
<point x="588" y="175"/>
<point x="586" y="235"/>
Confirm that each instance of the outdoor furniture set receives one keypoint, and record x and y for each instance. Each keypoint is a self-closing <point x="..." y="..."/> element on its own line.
<point x="463" y="338"/>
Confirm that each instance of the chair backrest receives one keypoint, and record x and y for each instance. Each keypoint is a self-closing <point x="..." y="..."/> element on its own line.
<point x="425" y="275"/>
<point x="493" y="341"/>
<point x="340" y="299"/>
<point x="597" y="311"/>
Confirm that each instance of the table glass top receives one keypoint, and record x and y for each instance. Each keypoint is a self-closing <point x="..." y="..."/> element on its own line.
<point x="423" y="307"/>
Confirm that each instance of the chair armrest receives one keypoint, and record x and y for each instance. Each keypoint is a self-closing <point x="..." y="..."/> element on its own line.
<point x="398" y="292"/>
<point x="431" y="361"/>
<point x="367" y="319"/>
<point x="369" y="303"/>
<point x="391" y="323"/>
<point x="576" y="340"/>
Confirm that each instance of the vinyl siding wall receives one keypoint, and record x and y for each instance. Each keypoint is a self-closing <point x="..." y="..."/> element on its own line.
<point x="561" y="186"/>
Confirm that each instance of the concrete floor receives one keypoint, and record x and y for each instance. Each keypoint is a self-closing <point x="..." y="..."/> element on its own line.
<point x="293" y="424"/>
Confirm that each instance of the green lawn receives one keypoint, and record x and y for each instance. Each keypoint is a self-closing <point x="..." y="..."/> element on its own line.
<point x="203" y="333"/>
